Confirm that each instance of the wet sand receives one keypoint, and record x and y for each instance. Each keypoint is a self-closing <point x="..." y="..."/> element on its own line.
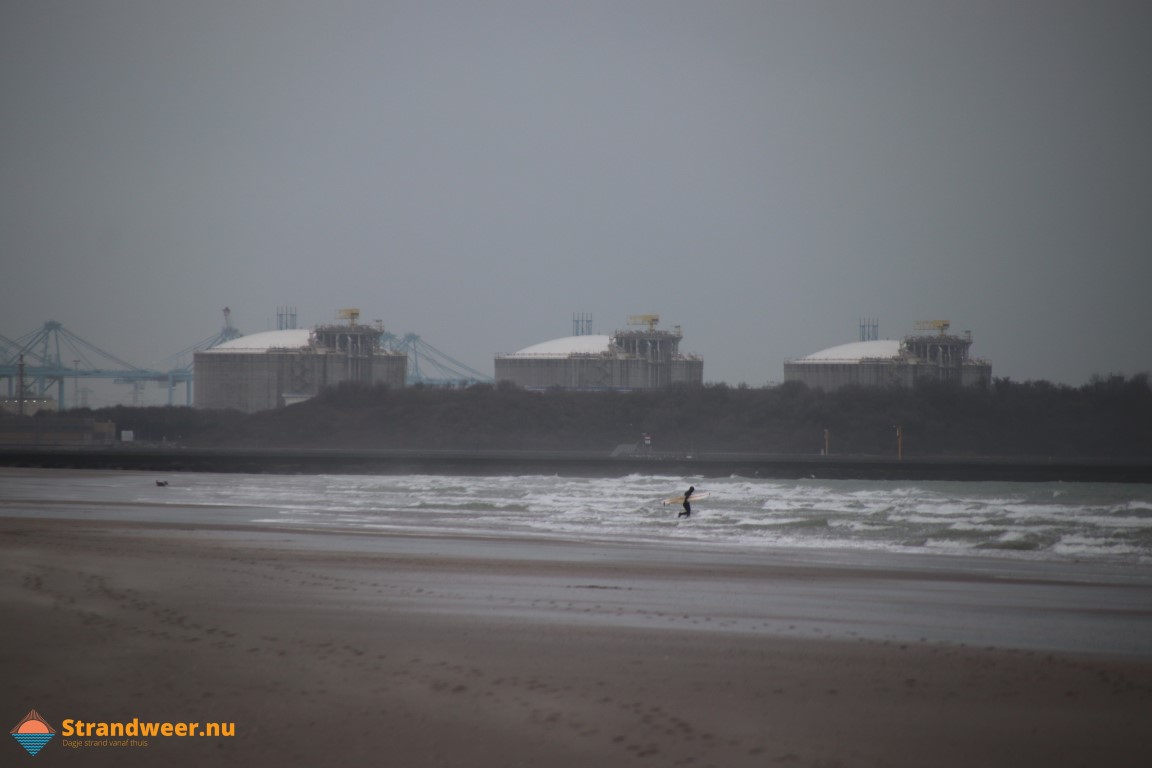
<point x="355" y="650"/>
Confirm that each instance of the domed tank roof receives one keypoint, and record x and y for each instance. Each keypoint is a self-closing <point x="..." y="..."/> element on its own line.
<point x="294" y="338"/>
<point x="591" y="344"/>
<point x="856" y="351"/>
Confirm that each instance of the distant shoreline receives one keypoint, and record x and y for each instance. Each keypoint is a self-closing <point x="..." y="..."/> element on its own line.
<point x="578" y="463"/>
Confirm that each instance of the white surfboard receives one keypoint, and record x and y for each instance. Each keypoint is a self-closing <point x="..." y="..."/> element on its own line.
<point x="698" y="495"/>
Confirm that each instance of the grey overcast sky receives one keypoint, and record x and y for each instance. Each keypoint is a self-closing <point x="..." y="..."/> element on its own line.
<point x="763" y="174"/>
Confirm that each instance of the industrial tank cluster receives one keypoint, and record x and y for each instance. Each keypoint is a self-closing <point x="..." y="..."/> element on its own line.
<point x="278" y="368"/>
<point x="933" y="353"/>
<point x="285" y="366"/>
<point x="645" y="358"/>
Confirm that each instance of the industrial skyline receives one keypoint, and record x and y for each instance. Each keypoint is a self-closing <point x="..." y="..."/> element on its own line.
<point x="764" y="174"/>
<point x="88" y="369"/>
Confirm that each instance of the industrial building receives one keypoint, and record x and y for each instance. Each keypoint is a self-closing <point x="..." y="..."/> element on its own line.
<point x="277" y="368"/>
<point x="644" y="358"/>
<point x="874" y="362"/>
<point x="58" y="432"/>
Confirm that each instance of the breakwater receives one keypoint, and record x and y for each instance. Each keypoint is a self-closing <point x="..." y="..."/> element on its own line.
<point x="578" y="463"/>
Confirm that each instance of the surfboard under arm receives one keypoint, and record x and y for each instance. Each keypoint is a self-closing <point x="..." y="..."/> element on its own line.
<point x="680" y="499"/>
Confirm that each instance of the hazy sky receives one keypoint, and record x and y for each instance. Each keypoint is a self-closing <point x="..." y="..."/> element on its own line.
<point x="763" y="174"/>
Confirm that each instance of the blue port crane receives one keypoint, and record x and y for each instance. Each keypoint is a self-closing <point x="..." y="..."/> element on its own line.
<point x="44" y="358"/>
<point x="38" y="361"/>
<point x="428" y="365"/>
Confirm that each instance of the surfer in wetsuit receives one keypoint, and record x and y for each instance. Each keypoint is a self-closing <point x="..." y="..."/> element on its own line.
<point x="687" y="507"/>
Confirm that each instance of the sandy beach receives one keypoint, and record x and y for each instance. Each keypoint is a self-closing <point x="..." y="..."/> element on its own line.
<point x="327" y="649"/>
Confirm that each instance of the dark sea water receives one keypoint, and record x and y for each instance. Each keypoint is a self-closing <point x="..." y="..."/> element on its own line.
<point x="1036" y="521"/>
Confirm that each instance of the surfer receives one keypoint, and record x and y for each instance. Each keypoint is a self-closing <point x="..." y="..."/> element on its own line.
<point x="687" y="507"/>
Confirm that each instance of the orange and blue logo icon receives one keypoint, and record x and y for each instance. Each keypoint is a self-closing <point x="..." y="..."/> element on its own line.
<point x="33" y="732"/>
